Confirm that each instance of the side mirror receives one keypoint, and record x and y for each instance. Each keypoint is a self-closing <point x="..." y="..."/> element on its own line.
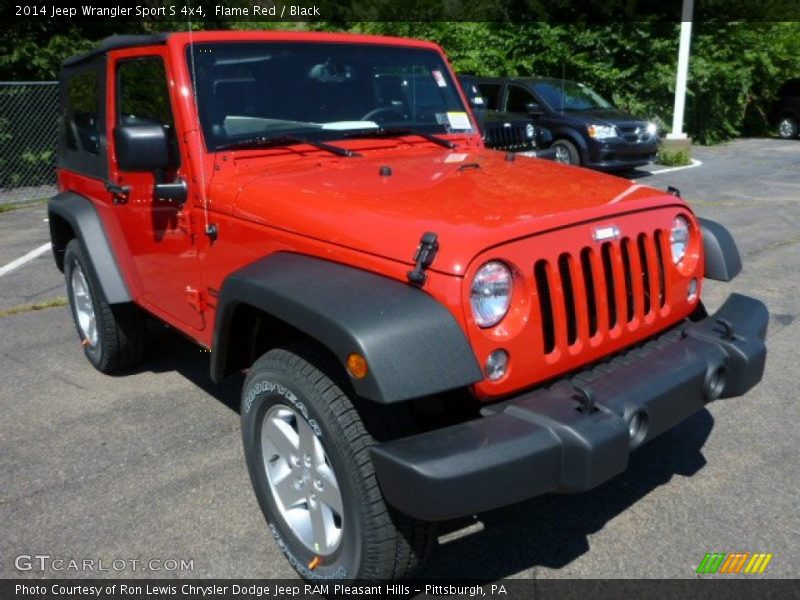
<point x="146" y="148"/>
<point x="142" y="147"/>
<point x="534" y="109"/>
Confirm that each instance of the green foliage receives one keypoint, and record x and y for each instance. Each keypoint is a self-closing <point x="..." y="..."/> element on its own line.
<point x="673" y="158"/>
<point x="735" y="69"/>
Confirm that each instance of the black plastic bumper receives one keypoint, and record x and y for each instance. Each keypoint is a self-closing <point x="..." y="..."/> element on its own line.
<point x="579" y="432"/>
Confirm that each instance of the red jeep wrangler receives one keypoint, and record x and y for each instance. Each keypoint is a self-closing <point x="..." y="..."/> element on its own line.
<point x="429" y="329"/>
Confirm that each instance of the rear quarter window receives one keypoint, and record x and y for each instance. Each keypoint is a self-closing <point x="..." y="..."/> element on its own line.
<point x="82" y="113"/>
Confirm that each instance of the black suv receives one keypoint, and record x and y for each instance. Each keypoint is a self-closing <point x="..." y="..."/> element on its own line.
<point x="504" y="131"/>
<point x="588" y="130"/>
<point x="786" y="110"/>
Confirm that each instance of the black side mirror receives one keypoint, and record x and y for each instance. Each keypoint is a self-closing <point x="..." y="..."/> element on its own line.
<point x="142" y="147"/>
<point x="534" y="109"/>
<point x="146" y="148"/>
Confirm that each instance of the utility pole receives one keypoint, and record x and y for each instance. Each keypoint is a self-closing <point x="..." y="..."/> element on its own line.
<point x="683" y="71"/>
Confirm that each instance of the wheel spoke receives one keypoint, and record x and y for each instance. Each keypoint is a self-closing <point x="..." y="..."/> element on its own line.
<point x="287" y="490"/>
<point x="329" y="494"/>
<point x="309" y="442"/>
<point x="282" y="436"/>
<point x="319" y="526"/>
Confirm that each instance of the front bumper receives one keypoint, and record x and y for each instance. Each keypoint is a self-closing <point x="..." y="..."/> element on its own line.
<point x="579" y="432"/>
<point x="617" y="155"/>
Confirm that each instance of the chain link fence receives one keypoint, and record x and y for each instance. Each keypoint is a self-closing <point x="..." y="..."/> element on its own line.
<point x="28" y="131"/>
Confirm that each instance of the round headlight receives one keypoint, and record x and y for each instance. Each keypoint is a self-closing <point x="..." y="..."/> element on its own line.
<point x="529" y="131"/>
<point x="679" y="238"/>
<point x="490" y="293"/>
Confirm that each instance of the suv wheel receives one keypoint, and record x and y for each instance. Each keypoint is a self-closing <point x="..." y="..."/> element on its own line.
<point x="788" y="128"/>
<point x="113" y="337"/>
<point x="307" y="451"/>
<point x="566" y="152"/>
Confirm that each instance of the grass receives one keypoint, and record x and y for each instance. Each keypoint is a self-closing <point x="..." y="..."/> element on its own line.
<point x="23" y="308"/>
<point x="17" y="205"/>
<point x="673" y="158"/>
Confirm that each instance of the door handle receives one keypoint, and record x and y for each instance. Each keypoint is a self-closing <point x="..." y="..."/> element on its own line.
<point x="120" y="192"/>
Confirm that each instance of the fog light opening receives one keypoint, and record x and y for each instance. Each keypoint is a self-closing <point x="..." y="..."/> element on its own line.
<point x="637" y="427"/>
<point x="715" y="383"/>
<point x="496" y="365"/>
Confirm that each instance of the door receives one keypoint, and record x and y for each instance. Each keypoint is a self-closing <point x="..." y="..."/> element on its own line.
<point x="162" y="247"/>
<point x="517" y="100"/>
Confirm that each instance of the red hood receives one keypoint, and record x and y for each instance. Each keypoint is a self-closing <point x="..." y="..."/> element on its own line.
<point x="346" y="201"/>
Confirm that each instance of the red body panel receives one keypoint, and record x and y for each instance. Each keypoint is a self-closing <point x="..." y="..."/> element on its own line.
<point x="303" y="200"/>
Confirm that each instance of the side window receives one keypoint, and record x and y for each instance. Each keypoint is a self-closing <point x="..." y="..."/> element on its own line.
<point x="517" y="99"/>
<point x="491" y="94"/>
<point x="143" y="96"/>
<point x="82" y="112"/>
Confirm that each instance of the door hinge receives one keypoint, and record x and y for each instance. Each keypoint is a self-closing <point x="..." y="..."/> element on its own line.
<point x="196" y="299"/>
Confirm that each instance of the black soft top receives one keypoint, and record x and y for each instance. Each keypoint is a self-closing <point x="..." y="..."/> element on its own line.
<point x="116" y="42"/>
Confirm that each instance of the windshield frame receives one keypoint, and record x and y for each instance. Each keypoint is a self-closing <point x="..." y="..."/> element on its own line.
<point x="456" y="103"/>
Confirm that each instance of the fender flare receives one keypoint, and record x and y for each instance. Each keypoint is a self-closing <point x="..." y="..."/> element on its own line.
<point x="722" y="260"/>
<point x="412" y="344"/>
<point x="81" y="215"/>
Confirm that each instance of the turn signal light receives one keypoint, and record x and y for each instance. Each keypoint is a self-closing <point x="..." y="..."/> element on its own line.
<point x="357" y="365"/>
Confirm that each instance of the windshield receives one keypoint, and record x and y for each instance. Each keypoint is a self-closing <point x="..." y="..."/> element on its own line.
<point x="320" y="91"/>
<point x="576" y="96"/>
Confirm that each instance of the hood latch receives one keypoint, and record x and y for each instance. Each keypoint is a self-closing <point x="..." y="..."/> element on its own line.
<point x="426" y="252"/>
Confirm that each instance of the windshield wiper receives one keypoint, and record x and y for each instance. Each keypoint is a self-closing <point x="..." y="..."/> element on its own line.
<point x="266" y="141"/>
<point x="398" y="131"/>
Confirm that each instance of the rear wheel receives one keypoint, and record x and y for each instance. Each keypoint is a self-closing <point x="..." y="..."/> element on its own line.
<point x="307" y="451"/>
<point x="788" y="127"/>
<point x="566" y="152"/>
<point x="112" y="336"/>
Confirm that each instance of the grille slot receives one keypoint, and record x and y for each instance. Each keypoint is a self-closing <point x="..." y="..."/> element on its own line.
<point x="545" y="306"/>
<point x="611" y="297"/>
<point x="662" y="279"/>
<point x="588" y="285"/>
<point x="596" y="290"/>
<point x="643" y="260"/>
<point x="569" y="298"/>
<point x="626" y="270"/>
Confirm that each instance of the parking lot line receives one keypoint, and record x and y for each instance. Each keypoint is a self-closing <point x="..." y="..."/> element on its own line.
<point x="15" y="264"/>
<point x="695" y="163"/>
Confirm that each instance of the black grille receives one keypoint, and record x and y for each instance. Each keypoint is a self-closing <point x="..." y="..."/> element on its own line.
<point x="507" y="136"/>
<point x="599" y="289"/>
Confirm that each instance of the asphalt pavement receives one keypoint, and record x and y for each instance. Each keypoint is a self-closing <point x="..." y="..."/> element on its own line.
<point x="149" y="466"/>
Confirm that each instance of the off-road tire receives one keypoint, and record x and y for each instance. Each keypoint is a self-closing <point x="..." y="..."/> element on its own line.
<point x="377" y="542"/>
<point x="120" y="328"/>
<point x="570" y="150"/>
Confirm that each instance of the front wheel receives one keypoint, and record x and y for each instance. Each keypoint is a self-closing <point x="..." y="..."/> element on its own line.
<point x="112" y="336"/>
<point x="566" y="152"/>
<point x="307" y="452"/>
